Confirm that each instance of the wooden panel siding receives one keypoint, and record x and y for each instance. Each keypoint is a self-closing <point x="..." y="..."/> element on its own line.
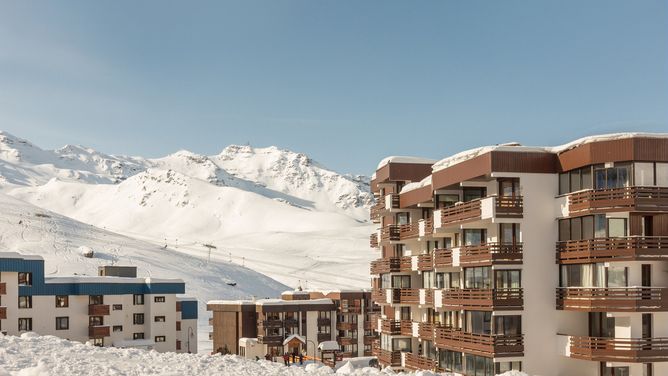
<point x="646" y="199"/>
<point x="3" y="313"/>
<point x="629" y="149"/>
<point x="3" y="288"/>
<point x="465" y="212"/>
<point x="442" y="257"/>
<point x="416" y="196"/>
<point x="632" y="248"/>
<point x="488" y="345"/>
<point x="613" y="299"/>
<point x="98" y="331"/>
<point x="98" y="309"/>
<point x="484" y="299"/>
<point x="417" y="362"/>
<point x="631" y="350"/>
<point x="490" y="254"/>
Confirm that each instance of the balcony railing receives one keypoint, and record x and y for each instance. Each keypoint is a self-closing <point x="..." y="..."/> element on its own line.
<point x="628" y="248"/>
<point x="391" y="265"/>
<point x="442" y="257"/>
<point x="613" y="299"/>
<point x="391" y="201"/>
<point x="373" y="240"/>
<point x="484" y="299"/>
<point x="406" y="296"/>
<point x="490" y="254"/>
<point x="98" y="309"/>
<point x="425" y="262"/>
<point x="418" y="362"/>
<point x="377" y="210"/>
<point x="270" y="340"/>
<point x="369" y="340"/>
<point x="98" y="331"/>
<point x="409" y="231"/>
<point x="322" y="337"/>
<point x="3" y="288"/>
<point x="346" y="325"/>
<point x="390" y="326"/>
<point x="323" y="321"/>
<point x="632" y="350"/>
<point x="344" y="341"/>
<point x="464" y="212"/>
<point x="291" y="323"/>
<point x="387" y="358"/>
<point x="426" y="330"/>
<point x="272" y="323"/>
<point x="426" y="226"/>
<point x="509" y="206"/>
<point x="3" y="313"/>
<point x="390" y="233"/>
<point x="379" y="296"/>
<point x="489" y="345"/>
<point x="406" y="328"/>
<point x="626" y="198"/>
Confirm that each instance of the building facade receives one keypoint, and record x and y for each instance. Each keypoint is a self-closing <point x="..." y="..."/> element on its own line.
<point x="342" y="316"/>
<point x="549" y="260"/>
<point x="105" y="310"/>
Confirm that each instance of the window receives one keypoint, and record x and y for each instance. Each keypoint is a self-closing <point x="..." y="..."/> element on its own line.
<point x="401" y="344"/>
<point x="451" y="361"/>
<point x="95" y="320"/>
<point x="138" y="319"/>
<point x="401" y="281"/>
<point x="508" y="325"/>
<point x="99" y="342"/>
<point x="95" y="299"/>
<point x="509" y="187"/>
<point x="661" y="174"/>
<point x="138" y="299"/>
<point x="405" y="314"/>
<point x="478" y="322"/>
<point x="178" y="326"/>
<point x="503" y="367"/>
<point x="473" y="193"/>
<point x="477" y="278"/>
<point x="25" y="301"/>
<point x="617" y="276"/>
<point x="25" y="279"/>
<point x="479" y="365"/>
<point x="159" y="299"/>
<point x="564" y="185"/>
<point x="508" y="279"/>
<point x="617" y="227"/>
<point x="62" y="301"/>
<point x="509" y="233"/>
<point x="475" y="236"/>
<point x="117" y="328"/>
<point x="137" y="335"/>
<point x="159" y="338"/>
<point x="25" y="324"/>
<point x="614" y="177"/>
<point x="62" y="323"/>
<point x="117" y="307"/>
<point x="324" y="329"/>
<point x="428" y="280"/>
<point x="644" y="174"/>
<point x="159" y="319"/>
<point x="178" y="346"/>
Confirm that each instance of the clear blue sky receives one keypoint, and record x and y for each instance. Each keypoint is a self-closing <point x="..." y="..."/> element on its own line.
<point x="347" y="82"/>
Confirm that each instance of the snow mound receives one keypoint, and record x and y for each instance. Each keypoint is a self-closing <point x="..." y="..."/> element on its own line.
<point x="33" y="355"/>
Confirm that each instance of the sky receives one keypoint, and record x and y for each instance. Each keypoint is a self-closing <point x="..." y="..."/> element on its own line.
<point x="346" y="82"/>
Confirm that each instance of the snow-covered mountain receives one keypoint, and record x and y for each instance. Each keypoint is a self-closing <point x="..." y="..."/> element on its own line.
<point x="275" y="211"/>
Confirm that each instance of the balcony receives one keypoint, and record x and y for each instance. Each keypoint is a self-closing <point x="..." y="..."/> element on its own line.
<point x="406" y="296"/>
<point x="417" y="362"/>
<point x="425" y="262"/>
<point x="484" y="299"/>
<point x="377" y="210"/>
<point x="3" y="288"/>
<point x="391" y="265"/>
<point x="346" y="325"/>
<point x="459" y="213"/>
<point x="379" y="296"/>
<point x="426" y="330"/>
<point x="344" y="341"/>
<point x="406" y="328"/>
<point x="98" y="310"/>
<point x="409" y="231"/>
<point x="509" y="206"/>
<point x="3" y="313"/>
<point x="373" y="240"/>
<point x="370" y="325"/>
<point x="291" y="323"/>
<point x="630" y="248"/>
<point x="490" y="254"/>
<point x="616" y="199"/>
<point x="426" y="227"/>
<point x="271" y="340"/>
<point x="369" y="340"/>
<point x="98" y="331"/>
<point x="442" y="257"/>
<point x="272" y="323"/>
<point x="322" y="321"/>
<point x="488" y="345"/>
<point x="322" y="337"/>
<point x="392" y="327"/>
<point x="390" y="233"/>
<point x="629" y="299"/>
<point x="628" y="350"/>
<point x="386" y="357"/>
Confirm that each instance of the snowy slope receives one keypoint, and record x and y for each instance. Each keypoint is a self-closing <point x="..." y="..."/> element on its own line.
<point x="275" y="211"/>
<point x="27" y="229"/>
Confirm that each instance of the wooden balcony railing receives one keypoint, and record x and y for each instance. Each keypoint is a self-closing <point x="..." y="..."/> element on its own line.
<point x="370" y="325"/>
<point x="442" y="257"/>
<point x="509" y="206"/>
<point x="270" y="340"/>
<point x="346" y="325"/>
<point x="489" y="345"/>
<point x="377" y="210"/>
<point x="357" y="309"/>
<point x="391" y="265"/>
<point x="3" y="288"/>
<point x="632" y="350"/>
<point x="417" y="362"/>
<point x="344" y="341"/>
<point x="3" y="313"/>
<point x="379" y="296"/>
<point x="406" y="296"/>
<point x="484" y="299"/>
<point x="425" y="262"/>
<point x="98" y="310"/>
<point x="613" y="299"/>
<point x="426" y="330"/>
<point x="630" y="248"/>
<point x="406" y="328"/>
<point x="428" y="297"/>
<point x="626" y="198"/>
<point x="291" y="323"/>
<point x="272" y="323"/>
<point x="428" y="226"/>
<point x="394" y="201"/>
<point x="464" y="212"/>
<point x="369" y="340"/>
<point x="322" y="337"/>
<point x="323" y="321"/>
<point x="490" y="254"/>
<point x="387" y="358"/>
<point x="390" y="326"/>
<point x="98" y="331"/>
<point x="373" y="240"/>
<point x="390" y="233"/>
<point x="409" y="231"/>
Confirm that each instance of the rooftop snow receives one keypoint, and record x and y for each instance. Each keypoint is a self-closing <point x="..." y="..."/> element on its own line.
<point x="604" y="137"/>
<point x="268" y="302"/>
<point x="416" y="185"/>
<point x="107" y="279"/>
<point x="16" y="255"/>
<point x="400" y="159"/>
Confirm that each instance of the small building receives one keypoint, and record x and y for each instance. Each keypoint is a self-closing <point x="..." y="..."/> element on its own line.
<point x="104" y="310"/>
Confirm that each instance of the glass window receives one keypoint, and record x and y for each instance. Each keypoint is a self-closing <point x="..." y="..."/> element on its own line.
<point x="477" y="278"/>
<point x="138" y="318"/>
<point x="401" y="281"/>
<point x="427" y="279"/>
<point x="600" y="226"/>
<point x="137" y="335"/>
<point x="644" y="174"/>
<point x="588" y="227"/>
<point x="25" y="279"/>
<point x="473" y="193"/>
<point x="576" y="228"/>
<point x="62" y="323"/>
<point x="159" y="319"/>
<point x="587" y="182"/>
<point x="617" y="227"/>
<point x="25" y="324"/>
<point x="564" y="183"/>
<point x="617" y="276"/>
<point x="478" y="322"/>
<point x="662" y="174"/>
<point x="509" y="187"/>
<point x="575" y="181"/>
<point x="503" y="367"/>
<point x="62" y="301"/>
<point x="95" y="299"/>
<point x="159" y="338"/>
<point x="475" y="236"/>
<point x="564" y="229"/>
<point x="159" y="299"/>
<point x="117" y="307"/>
<point x="95" y="320"/>
<point x="25" y="301"/>
<point x="440" y="280"/>
<point x="508" y="279"/>
<point x="99" y="342"/>
<point x="508" y="325"/>
<point x="401" y="344"/>
<point x="138" y="299"/>
<point x="450" y="361"/>
<point x="118" y="328"/>
<point x="509" y="233"/>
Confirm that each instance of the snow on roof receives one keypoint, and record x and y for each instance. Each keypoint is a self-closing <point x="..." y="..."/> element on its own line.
<point x="247" y="341"/>
<point x="16" y="255"/>
<point x="290" y="338"/>
<point x="401" y="159"/>
<point x="185" y="299"/>
<point x="328" y="346"/>
<point x="604" y="137"/>
<point x="295" y="292"/>
<point x="268" y="302"/>
<point x="415" y="185"/>
<point x="107" y="279"/>
<point x="134" y="343"/>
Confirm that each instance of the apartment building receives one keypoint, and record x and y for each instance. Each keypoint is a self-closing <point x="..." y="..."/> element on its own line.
<point x="549" y="260"/>
<point x="314" y="316"/>
<point x="107" y="310"/>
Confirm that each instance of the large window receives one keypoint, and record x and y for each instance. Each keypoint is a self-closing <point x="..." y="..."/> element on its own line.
<point x="62" y="323"/>
<point x="401" y="344"/>
<point x="509" y="187"/>
<point x="25" y="301"/>
<point x="509" y="233"/>
<point x="401" y="281"/>
<point x="478" y="278"/>
<point x="138" y="319"/>
<point x="474" y="193"/>
<point x="428" y="280"/>
<point x="479" y="365"/>
<point x="478" y="322"/>
<point x="613" y="177"/>
<point x="475" y="236"/>
<point x="575" y="180"/>
<point x="95" y="299"/>
<point x="508" y="325"/>
<point x="593" y="275"/>
<point x="448" y="280"/>
<point x="508" y="279"/>
<point x="25" y="279"/>
<point x="592" y="226"/>
<point x="450" y="361"/>
<point x="503" y="367"/>
<point x="25" y="324"/>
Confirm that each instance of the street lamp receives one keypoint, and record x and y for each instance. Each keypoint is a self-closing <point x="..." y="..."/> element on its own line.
<point x="191" y="333"/>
